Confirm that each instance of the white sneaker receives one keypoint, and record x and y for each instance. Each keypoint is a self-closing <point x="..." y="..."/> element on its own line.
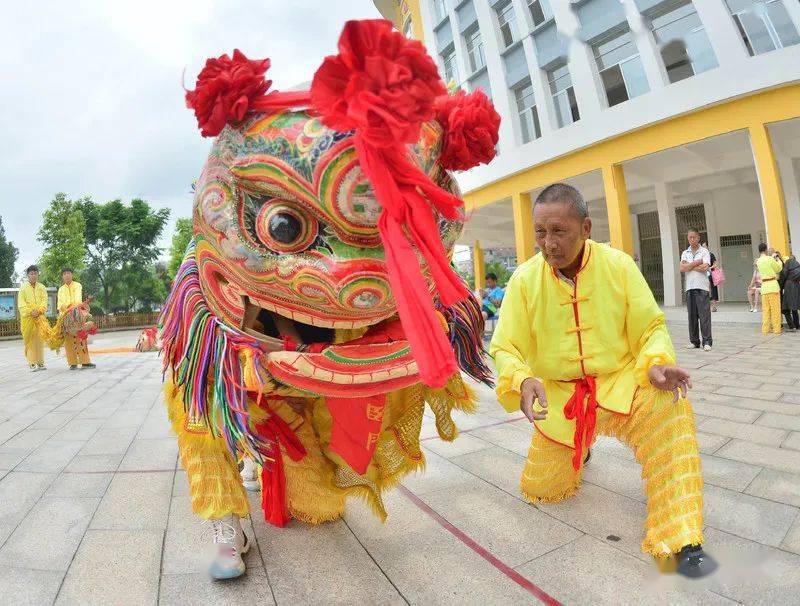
<point x="249" y="475"/>
<point x="706" y="347"/>
<point x="33" y="367"/>
<point x="691" y="346"/>
<point x="231" y="544"/>
<point x="42" y="367"/>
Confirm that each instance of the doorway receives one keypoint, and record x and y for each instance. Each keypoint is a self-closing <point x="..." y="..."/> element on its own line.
<point x="736" y="256"/>
<point x="650" y="252"/>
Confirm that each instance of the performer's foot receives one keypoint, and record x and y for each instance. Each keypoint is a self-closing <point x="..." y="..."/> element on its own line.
<point x="692" y="346"/>
<point x="249" y="475"/>
<point x="42" y="367"/>
<point x="33" y="367"/>
<point x="73" y="367"/>
<point x="88" y="365"/>
<point x="231" y="544"/>
<point x="588" y="456"/>
<point x="706" y="347"/>
<point x="695" y="563"/>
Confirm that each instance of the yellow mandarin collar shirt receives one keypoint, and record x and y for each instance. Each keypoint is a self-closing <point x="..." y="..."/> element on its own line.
<point x="30" y="298"/>
<point x="769" y="269"/>
<point x="69" y="294"/>
<point x="606" y="324"/>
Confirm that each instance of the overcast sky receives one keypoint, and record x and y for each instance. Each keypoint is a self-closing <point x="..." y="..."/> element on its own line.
<point x="91" y="102"/>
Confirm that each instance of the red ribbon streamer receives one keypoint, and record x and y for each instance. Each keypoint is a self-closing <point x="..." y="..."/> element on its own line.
<point x="582" y="407"/>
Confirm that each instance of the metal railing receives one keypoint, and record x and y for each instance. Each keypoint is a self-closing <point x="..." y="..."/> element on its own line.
<point x="10" y="328"/>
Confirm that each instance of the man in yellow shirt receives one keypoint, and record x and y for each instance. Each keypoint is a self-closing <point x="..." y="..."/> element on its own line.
<point x="582" y="335"/>
<point x="70" y="294"/>
<point x="769" y="267"/>
<point x="32" y="304"/>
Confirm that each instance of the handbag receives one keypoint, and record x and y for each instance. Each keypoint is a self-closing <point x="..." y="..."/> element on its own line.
<point x="717" y="276"/>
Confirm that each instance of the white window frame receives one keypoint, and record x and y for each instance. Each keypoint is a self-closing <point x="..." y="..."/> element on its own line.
<point x="513" y="26"/>
<point x="619" y="64"/>
<point x="532" y="110"/>
<point x="767" y="21"/>
<point x="439" y="10"/>
<point x="454" y="67"/>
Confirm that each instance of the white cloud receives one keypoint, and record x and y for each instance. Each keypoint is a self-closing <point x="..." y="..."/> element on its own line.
<point x="91" y="93"/>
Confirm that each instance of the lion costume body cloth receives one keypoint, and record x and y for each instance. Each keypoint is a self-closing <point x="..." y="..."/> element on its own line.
<point x="316" y="313"/>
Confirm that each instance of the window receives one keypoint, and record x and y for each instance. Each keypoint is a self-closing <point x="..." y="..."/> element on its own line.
<point x="563" y="96"/>
<point x="620" y="68"/>
<point x="763" y="25"/>
<point x="540" y="11"/>
<point x="508" y="24"/>
<point x="526" y="110"/>
<point x="475" y="55"/>
<point x="450" y="69"/>
<point x="685" y="48"/>
<point x="439" y="10"/>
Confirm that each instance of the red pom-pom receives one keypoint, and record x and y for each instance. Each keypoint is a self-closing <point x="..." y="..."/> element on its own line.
<point x="470" y="125"/>
<point x="381" y="84"/>
<point x="225" y="90"/>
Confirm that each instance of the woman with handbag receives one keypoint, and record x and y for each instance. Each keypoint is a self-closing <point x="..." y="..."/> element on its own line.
<point x="789" y="280"/>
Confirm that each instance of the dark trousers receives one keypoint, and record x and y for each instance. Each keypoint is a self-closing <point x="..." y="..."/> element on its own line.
<point x="699" y="314"/>
<point x="792" y="317"/>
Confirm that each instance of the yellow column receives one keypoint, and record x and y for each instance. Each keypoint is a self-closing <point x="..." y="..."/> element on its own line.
<point x="769" y="182"/>
<point x="619" y="215"/>
<point x="523" y="226"/>
<point x="416" y="18"/>
<point x="479" y="266"/>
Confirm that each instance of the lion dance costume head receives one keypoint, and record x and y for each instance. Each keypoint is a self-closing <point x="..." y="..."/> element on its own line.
<point x="320" y="271"/>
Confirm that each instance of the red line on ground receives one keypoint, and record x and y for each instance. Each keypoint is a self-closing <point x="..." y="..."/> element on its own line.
<point x="479" y="427"/>
<point x="512" y="574"/>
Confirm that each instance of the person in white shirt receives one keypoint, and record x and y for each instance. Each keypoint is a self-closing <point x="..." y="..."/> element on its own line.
<point x="695" y="262"/>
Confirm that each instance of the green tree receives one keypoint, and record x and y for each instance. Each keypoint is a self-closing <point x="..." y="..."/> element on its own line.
<point x="501" y="271"/>
<point x="142" y="289"/>
<point x="180" y="240"/>
<point x="121" y="243"/>
<point x="8" y="257"/>
<point x="62" y="234"/>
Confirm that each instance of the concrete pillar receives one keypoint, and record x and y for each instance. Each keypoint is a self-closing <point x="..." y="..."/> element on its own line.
<point x="648" y="47"/>
<point x="791" y="194"/>
<point x="523" y="226"/>
<point x="588" y="88"/>
<point x="722" y="32"/>
<point x="497" y="76"/>
<point x="769" y="183"/>
<point x="478" y="265"/>
<point x="619" y="214"/>
<point x="665" y="204"/>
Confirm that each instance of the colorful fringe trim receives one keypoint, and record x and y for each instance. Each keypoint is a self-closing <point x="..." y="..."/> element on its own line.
<point x="203" y="355"/>
<point x="466" y="326"/>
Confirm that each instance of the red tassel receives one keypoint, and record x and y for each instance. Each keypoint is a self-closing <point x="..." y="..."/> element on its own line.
<point x="273" y="490"/>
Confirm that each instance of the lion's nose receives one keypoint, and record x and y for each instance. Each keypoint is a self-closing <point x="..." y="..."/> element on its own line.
<point x="366" y="294"/>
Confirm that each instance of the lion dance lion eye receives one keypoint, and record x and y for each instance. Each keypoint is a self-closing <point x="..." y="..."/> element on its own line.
<point x="284" y="228"/>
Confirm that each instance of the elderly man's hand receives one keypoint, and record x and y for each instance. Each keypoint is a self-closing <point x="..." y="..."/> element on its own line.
<point x="35" y="313"/>
<point x="532" y="390"/>
<point x="670" y="378"/>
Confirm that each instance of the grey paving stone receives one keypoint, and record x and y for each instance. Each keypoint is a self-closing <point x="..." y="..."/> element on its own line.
<point x="781" y="459"/>
<point x="82" y="485"/>
<point x="515" y="436"/>
<point x="793" y="441"/>
<point x="726" y="473"/>
<point x="29" y="587"/>
<point x="201" y="590"/>
<point x="109" y="441"/>
<point x="11" y="457"/>
<point x="792" y="540"/>
<point x="19" y="491"/>
<point x="53" y="420"/>
<point x="135" y="501"/>
<point x="29" y="439"/>
<point x="721" y="411"/>
<point x="406" y="547"/>
<point x="125" y="419"/>
<point x="786" y="422"/>
<point x="749" y="517"/>
<point x="79" y="430"/>
<point x="180" y="487"/>
<point x="608" y="576"/>
<point x="114" y="567"/>
<point x="146" y="455"/>
<point x="50" y="457"/>
<point x="463" y="444"/>
<point x="439" y="473"/>
<point x="777" y="486"/>
<point x="622" y="476"/>
<point x="744" y="431"/>
<point x="495" y="465"/>
<point x="49" y="535"/>
<point x="709" y="443"/>
<point x="94" y="463"/>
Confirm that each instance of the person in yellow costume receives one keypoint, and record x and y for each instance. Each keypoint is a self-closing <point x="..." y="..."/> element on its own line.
<point x="769" y="267"/>
<point x="582" y="336"/>
<point x="70" y="294"/>
<point x="32" y="303"/>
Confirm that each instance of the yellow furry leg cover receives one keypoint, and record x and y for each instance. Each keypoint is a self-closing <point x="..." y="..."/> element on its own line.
<point x="214" y="482"/>
<point x="662" y="436"/>
<point x="548" y="475"/>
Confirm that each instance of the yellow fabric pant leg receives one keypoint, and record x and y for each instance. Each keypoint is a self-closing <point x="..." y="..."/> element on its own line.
<point x="662" y="436"/>
<point x="82" y="348"/>
<point x="771" y="313"/>
<point x="34" y="348"/>
<point x="548" y="475"/>
<point x="71" y="349"/>
<point x="214" y="483"/>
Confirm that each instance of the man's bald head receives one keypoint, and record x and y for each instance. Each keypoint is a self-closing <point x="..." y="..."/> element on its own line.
<point x="561" y="193"/>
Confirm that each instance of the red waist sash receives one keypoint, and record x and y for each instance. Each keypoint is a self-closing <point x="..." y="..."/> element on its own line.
<point x="582" y="407"/>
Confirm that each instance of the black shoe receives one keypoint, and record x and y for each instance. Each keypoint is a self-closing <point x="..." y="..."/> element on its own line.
<point x="694" y="563"/>
<point x="89" y="366"/>
<point x="73" y="367"/>
<point x="588" y="456"/>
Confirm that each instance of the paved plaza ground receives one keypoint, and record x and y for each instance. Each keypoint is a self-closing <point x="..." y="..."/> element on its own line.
<point x="94" y="508"/>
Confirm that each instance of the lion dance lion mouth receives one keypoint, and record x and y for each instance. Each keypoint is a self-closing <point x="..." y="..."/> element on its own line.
<point x="315" y="280"/>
